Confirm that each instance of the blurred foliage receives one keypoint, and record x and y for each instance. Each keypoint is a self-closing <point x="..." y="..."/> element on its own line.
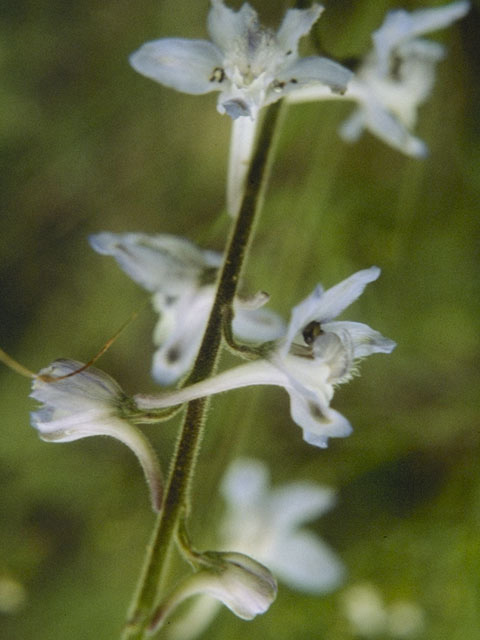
<point x="88" y="145"/>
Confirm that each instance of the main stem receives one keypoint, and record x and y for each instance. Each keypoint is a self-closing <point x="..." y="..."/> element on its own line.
<point x="188" y="444"/>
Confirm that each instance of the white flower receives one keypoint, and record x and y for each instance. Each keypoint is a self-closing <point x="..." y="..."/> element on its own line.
<point x="395" y="78"/>
<point x="314" y="355"/>
<point x="181" y="277"/>
<point x="89" y="403"/>
<point x="268" y="524"/>
<point x="242" y="584"/>
<point x="249" y="65"/>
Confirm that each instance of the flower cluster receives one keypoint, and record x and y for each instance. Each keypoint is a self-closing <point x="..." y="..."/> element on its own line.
<point x="251" y="67"/>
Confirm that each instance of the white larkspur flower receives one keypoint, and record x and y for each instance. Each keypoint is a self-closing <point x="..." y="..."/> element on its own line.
<point x="395" y="78"/>
<point x="181" y="277"/>
<point x="89" y="403"/>
<point x="239" y="582"/>
<point x="268" y="524"/>
<point x="249" y="65"/>
<point x="314" y="355"/>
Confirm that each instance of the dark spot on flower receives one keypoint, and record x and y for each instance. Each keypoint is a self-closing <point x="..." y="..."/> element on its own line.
<point x="396" y="68"/>
<point x="278" y="86"/>
<point x="317" y="413"/>
<point x="173" y="355"/>
<point x="294" y="81"/>
<point x="289" y="52"/>
<point x="311" y="332"/>
<point x="218" y="75"/>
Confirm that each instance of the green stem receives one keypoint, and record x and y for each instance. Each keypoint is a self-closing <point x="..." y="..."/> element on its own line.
<point x="183" y="465"/>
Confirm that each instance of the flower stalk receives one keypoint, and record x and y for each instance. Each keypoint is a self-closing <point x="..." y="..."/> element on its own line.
<point x="176" y="502"/>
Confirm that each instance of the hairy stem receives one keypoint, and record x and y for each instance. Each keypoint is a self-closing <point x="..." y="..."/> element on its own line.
<point x="182" y="468"/>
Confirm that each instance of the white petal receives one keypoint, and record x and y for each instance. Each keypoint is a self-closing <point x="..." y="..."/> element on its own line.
<point x="400" y="26"/>
<point x="258" y="325"/>
<point x="318" y="422"/>
<point x="159" y="262"/>
<point x="305" y="563"/>
<point x="298" y="502"/>
<point x="312" y="93"/>
<point x="177" y="353"/>
<point x="89" y="389"/>
<point x="241" y="148"/>
<point x="179" y="63"/>
<point x="324" y="306"/>
<point x="315" y="70"/>
<point x="296" y="24"/>
<point x="226" y="26"/>
<point x="365" y="339"/>
<point x="375" y="117"/>
<point x="245" y="483"/>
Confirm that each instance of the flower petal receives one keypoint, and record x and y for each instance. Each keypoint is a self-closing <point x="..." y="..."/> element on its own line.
<point x="401" y="25"/>
<point x="227" y="27"/>
<point x="257" y="325"/>
<point x="323" y="306"/>
<point x="319" y="423"/>
<point x="312" y="71"/>
<point x="245" y="483"/>
<point x="159" y="262"/>
<point x="296" y="24"/>
<point x="377" y="119"/>
<point x="88" y="389"/>
<point x="294" y="504"/>
<point x="187" y="317"/>
<point x="179" y="63"/>
<point x="305" y="563"/>
<point x="365" y="340"/>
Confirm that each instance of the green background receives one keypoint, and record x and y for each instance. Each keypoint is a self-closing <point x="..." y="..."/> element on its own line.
<point x="88" y="145"/>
